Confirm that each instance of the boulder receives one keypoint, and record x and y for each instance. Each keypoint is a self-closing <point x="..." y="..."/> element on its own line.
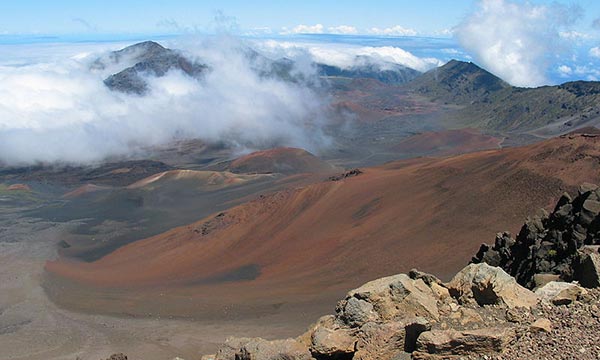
<point x="388" y="298"/>
<point x="443" y="343"/>
<point x="261" y="349"/>
<point x="488" y="285"/>
<point x="587" y="268"/>
<point x="560" y="293"/>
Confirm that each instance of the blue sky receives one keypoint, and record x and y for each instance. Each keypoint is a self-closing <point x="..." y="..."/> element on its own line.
<point x="527" y="43"/>
<point x="158" y="17"/>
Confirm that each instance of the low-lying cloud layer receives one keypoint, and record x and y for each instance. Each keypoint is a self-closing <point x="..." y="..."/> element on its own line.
<point x="347" y="56"/>
<point x="515" y="39"/>
<point x="60" y="111"/>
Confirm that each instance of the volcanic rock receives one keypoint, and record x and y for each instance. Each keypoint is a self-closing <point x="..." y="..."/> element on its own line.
<point x="487" y="285"/>
<point x="442" y="343"/>
<point x="553" y="243"/>
<point x="560" y="293"/>
<point x="388" y="298"/>
<point x="331" y="339"/>
<point x="587" y="268"/>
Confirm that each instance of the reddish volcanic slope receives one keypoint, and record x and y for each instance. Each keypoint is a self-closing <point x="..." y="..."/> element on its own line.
<point x="448" y="142"/>
<point x="311" y="243"/>
<point x="280" y="160"/>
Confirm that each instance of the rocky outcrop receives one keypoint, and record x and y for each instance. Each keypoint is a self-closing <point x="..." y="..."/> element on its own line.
<point x="408" y="315"/>
<point x="563" y="243"/>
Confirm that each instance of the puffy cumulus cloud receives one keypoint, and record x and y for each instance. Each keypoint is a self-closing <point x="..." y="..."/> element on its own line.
<point x="61" y="112"/>
<point x="347" y="56"/>
<point x="304" y="29"/>
<point x="393" y="31"/>
<point x="595" y="52"/>
<point x="515" y="39"/>
<point x="587" y="72"/>
<point x="565" y="70"/>
<point x="343" y="30"/>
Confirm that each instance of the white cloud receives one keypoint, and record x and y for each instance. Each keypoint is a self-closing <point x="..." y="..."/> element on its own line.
<point x="345" y="56"/>
<point x="444" y="32"/>
<point x="595" y="52"/>
<point x="565" y="70"/>
<point x="60" y="111"/>
<point x="393" y="31"/>
<point x="515" y="39"/>
<point x="587" y="72"/>
<point x="304" y="29"/>
<point x="342" y="29"/>
<point x="574" y="35"/>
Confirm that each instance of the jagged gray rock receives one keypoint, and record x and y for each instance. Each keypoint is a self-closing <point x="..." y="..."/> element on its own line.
<point x="587" y="267"/>
<point x="550" y="243"/>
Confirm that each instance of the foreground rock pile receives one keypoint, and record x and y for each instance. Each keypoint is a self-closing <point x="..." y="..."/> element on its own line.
<point x="482" y="311"/>
<point x="562" y="245"/>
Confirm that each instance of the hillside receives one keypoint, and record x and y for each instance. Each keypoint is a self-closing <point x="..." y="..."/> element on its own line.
<point x="428" y="213"/>
<point x="284" y="160"/>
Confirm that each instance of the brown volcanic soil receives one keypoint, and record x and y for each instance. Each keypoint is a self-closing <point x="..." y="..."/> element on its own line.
<point x="283" y="160"/>
<point x="372" y="100"/>
<point x="448" y="142"/>
<point x="296" y="251"/>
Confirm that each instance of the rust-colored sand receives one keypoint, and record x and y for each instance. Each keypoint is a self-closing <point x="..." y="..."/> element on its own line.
<point x="284" y="160"/>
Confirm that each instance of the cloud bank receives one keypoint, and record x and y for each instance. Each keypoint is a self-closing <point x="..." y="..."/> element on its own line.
<point x="514" y="40"/>
<point x="60" y="112"/>
<point x="393" y="31"/>
<point x="347" y="56"/>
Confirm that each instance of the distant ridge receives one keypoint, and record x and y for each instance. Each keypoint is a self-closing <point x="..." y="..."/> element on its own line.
<point x="386" y="72"/>
<point x="492" y="104"/>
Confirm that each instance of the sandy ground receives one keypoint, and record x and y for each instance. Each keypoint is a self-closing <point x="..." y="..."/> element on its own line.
<point x="32" y="327"/>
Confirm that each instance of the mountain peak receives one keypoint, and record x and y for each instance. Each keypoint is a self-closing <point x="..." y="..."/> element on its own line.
<point x="458" y="82"/>
<point x="147" y="57"/>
